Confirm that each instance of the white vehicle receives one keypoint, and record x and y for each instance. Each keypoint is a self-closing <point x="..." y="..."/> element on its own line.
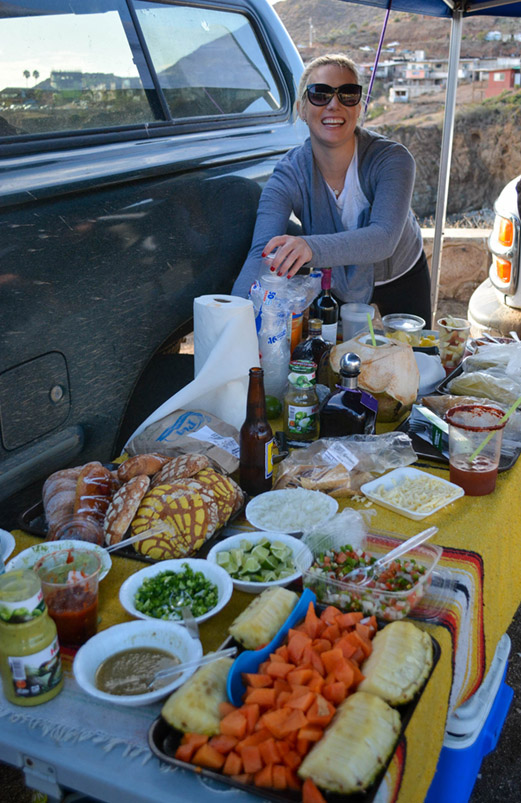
<point x="496" y="303"/>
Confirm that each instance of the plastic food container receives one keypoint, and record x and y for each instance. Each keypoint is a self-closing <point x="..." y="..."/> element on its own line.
<point x="437" y="492"/>
<point x="386" y="605"/>
<point x="404" y="327"/>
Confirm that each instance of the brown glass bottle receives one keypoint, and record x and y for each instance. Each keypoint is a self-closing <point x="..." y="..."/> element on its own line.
<point x="256" y="440"/>
<point x="315" y="348"/>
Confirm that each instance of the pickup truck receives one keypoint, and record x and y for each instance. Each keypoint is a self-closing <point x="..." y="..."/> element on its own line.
<point x="135" y="139"/>
<point x="496" y="303"/>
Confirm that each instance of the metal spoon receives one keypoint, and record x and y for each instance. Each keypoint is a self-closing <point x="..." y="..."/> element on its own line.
<point x="140" y="537"/>
<point x="364" y="574"/>
<point x="177" y="669"/>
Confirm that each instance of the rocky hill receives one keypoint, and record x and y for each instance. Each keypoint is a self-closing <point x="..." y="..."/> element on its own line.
<point x="487" y="136"/>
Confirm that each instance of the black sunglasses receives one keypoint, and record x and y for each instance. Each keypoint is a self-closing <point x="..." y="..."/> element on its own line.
<point x="322" y="94"/>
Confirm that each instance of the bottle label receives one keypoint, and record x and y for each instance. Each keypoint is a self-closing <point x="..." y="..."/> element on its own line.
<point x="329" y="331"/>
<point x="268" y="459"/>
<point x="302" y="420"/>
<point x="24" y="610"/>
<point x="36" y="674"/>
<point x="365" y="398"/>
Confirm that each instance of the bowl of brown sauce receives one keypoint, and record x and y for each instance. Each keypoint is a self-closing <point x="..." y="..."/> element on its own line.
<point x="118" y="664"/>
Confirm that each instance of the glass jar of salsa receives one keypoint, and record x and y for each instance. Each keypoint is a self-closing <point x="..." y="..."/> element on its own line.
<point x="30" y="663"/>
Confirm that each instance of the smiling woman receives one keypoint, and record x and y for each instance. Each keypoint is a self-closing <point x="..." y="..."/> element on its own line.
<point x="351" y="189"/>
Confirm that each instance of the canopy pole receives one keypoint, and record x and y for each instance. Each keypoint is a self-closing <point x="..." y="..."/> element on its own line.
<point x="446" y="153"/>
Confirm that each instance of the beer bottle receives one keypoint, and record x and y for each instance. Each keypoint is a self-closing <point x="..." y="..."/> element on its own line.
<point x="256" y="440"/>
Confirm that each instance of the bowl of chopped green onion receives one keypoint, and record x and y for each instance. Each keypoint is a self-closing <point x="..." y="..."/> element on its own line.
<point x="162" y="590"/>
<point x="258" y="560"/>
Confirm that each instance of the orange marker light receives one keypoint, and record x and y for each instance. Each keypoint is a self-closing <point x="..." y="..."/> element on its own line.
<point x="503" y="269"/>
<point x="506" y="232"/>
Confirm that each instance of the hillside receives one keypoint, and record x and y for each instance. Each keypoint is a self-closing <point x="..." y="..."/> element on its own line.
<point x="347" y="27"/>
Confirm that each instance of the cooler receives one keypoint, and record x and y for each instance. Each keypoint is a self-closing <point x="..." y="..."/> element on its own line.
<point x="472" y="732"/>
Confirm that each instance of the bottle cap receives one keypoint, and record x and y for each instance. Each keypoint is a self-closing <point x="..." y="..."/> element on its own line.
<point x="350" y="364"/>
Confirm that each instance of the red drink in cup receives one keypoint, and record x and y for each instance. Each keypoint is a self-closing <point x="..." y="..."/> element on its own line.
<point x="470" y="426"/>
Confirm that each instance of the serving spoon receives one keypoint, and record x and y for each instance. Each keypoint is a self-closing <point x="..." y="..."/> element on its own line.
<point x="364" y="574"/>
<point x="139" y="537"/>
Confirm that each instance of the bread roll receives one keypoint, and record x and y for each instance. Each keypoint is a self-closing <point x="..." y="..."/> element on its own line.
<point x="148" y="464"/>
<point x="59" y="496"/>
<point x="123" y="508"/>
<point x="186" y="465"/>
<point x="93" y="494"/>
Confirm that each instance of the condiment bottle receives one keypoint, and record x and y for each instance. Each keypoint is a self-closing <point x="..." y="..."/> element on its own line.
<point x="348" y="410"/>
<point x="30" y="663"/>
<point x="256" y="440"/>
<point x="314" y="348"/>
<point x="326" y="308"/>
<point x="301" y="403"/>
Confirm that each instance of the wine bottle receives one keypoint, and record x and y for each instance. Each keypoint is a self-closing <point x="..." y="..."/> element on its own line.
<point x="256" y="440"/>
<point x="348" y="410"/>
<point x="314" y="348"/>
<point x="326" y="308"/>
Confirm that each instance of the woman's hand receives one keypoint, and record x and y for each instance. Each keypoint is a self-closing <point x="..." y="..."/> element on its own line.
<point x="292" y="253"/>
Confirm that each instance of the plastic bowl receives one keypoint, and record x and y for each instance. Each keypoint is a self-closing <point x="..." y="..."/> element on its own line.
<point x="167" y="636"/>
<point x="404" y="327"/>
<point x="302" y="557"/>
<point x="211" y="571"/>
<point x="386" y="605"/>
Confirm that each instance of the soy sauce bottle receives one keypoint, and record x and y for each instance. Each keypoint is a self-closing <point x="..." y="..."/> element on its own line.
<point x="256" y="440"/>
<point x="348" y="410"/>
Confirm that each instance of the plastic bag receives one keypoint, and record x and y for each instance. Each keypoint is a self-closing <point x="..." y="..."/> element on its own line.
<point x="348" y="526"/>
<point x="339" y="466"/>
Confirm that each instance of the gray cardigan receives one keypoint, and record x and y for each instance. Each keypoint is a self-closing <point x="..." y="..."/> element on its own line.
<point x="387" y="242"/>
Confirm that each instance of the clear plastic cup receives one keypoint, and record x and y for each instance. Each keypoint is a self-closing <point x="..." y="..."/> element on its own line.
<point x="454" y="333"/>
<point x="354" y="318"/>
<point x="469" y="426"/>
<point x="69" y="580"/>
<point x="404" y="327"/>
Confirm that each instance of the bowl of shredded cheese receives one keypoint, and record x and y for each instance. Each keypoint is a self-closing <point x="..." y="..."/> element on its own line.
<point x="412" y="493"/>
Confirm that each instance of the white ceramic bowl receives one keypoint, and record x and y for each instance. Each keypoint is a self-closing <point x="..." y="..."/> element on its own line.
<point x="166" y="636"/>
<point x="290" y="510"/>
<point x="7" y="544"/>
<point x="211" y="571"/>
<point x="30" y="556"/>
<point x="304" y="560"/>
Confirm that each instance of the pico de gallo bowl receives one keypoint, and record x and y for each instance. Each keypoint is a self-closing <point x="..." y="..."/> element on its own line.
<point x="391" y="594"/>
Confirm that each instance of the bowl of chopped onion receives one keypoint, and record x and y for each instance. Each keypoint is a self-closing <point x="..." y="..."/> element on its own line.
<point x="290" y="510"/>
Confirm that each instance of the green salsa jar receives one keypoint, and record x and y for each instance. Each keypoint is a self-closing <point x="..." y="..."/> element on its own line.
<point x="30" y="663"/>
<point x="301" y="402"/>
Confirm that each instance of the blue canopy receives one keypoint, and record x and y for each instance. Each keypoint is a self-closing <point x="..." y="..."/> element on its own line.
<point x="455" y="11"/>
<point x="446" y="8"/>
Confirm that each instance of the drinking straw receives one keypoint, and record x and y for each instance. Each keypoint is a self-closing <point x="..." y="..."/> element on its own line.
<point x="369" y="321"/>
<point x="489" y="436"/>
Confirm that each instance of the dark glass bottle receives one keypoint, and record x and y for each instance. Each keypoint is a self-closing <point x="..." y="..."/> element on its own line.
<point x="256" y="440"/>
<point x="326" y="308"/>
<point x="348" y="410"/>
<point x="314" y="348"/>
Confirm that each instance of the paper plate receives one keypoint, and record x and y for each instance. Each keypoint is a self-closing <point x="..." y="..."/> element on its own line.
<point x="27" y="558"/>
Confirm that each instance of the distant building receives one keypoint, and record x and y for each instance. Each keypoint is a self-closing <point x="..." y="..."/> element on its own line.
<point x="501" y="79"/>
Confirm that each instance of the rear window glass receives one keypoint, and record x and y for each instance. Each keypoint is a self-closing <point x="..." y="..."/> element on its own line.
<point x="209" y="62"/>
<point x="61" y="70"/>
<point x="78" y="65"/>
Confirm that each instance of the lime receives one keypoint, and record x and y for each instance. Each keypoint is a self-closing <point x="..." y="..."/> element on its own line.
<point x="273" y="407"/>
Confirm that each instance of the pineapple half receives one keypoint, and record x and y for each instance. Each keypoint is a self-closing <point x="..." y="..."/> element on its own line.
<point x="355" y="747"/>
<point x="399" y="663"/>
<point x="194" y="707"/>
<point x="263" y="618"/>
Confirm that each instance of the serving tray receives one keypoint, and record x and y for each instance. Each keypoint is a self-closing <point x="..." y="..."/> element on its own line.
<point x="164" y="740"/>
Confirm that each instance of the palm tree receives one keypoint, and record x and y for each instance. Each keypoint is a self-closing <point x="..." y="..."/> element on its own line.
<point x="27" y="75"/>
<point x="36" y="75"/>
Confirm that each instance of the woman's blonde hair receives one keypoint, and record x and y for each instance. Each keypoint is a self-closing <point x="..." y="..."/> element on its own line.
<point x="337" y="59"/>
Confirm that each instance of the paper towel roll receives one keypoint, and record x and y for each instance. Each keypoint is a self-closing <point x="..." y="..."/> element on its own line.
<point x="212" y="313"/>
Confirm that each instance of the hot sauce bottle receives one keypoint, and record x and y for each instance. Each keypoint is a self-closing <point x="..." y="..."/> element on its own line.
<point x="30" y="663"/>
<point x="256" y="440"/>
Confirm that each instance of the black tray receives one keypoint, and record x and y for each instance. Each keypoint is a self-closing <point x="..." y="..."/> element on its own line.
<point x="164" y="740"/>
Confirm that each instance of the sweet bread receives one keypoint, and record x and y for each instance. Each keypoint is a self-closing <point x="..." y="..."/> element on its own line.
<point x="148" y="464"/>
<point x="58" y="496"/>
<point x="123" y="507"/>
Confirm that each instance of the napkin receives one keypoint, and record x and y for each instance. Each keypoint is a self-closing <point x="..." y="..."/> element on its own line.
<point x="225" y="348"/>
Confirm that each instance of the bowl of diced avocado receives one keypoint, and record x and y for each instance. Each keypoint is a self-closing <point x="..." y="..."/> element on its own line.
<point x="258" y="560"/>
